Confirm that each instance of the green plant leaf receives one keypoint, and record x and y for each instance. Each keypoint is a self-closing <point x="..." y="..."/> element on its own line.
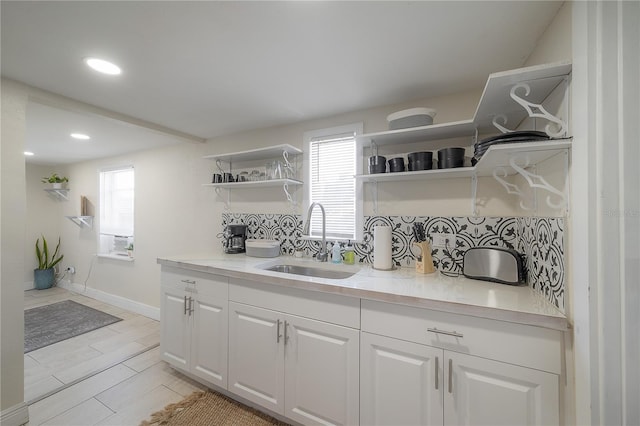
<point x="44" y="261"/>
<point x="45" y="253"/>
<point x="54" y="263"/>
<point x="39" y="254"/>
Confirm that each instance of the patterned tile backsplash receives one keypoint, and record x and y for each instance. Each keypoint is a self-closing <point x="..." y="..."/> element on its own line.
<point x="541" y="240"/>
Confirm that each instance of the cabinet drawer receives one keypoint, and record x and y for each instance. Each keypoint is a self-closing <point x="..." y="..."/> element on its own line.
<point x="195" y="282"/>
<point x="331" y="308"/>
<point x="524" y="345"/>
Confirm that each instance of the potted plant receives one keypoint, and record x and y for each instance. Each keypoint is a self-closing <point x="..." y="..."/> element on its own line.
<point x="44" y="276"/>
<point x="57" y="182"/>
<point x="130" y="250"/>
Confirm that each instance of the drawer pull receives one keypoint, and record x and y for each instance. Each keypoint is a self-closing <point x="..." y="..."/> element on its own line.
<point x="188" y="281"/>
<point x="437" y="373"/>
<point x="286" y="336"/>
<point x="185" y="305"/>
<point x="448" y="333"/>
<point x="190" y="306"/>
<point x="278" y="335"/>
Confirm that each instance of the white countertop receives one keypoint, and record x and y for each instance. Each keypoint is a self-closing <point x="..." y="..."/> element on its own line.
<point x="519" y="304"/>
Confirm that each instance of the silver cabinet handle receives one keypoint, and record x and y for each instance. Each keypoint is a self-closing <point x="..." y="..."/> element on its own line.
<point x="286" y="335"/>
<point x="188" y="281"/>
<point x="278" y="335"/>
<point x="190" y="305"/>
<point x="448" y="333"/>
<point x="185" y="305"/>
<point x="437" y="373"/>
<point x="450" y="375"/>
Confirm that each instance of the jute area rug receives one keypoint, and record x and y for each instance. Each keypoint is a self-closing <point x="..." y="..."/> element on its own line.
<point x="209" y="409"/>
<point x="49" y="324"/>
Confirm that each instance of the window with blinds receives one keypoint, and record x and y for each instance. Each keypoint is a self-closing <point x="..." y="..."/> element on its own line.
<point x="332" y="163"/>
<point x="116" y="210"/>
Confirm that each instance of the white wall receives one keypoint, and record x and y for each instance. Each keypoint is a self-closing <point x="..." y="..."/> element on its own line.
<point x="172" y="216"/>
<point x="555" y="43"/>
<point x="175" y="214"/>
<point x="43" y="216"/>
<point x="440" y="197"/>
<point x="12" y="215"/>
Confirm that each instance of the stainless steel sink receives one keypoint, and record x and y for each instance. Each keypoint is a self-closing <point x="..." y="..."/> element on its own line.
<point x="311" y="272"/>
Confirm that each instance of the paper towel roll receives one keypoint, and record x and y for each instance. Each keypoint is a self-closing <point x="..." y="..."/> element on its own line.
<point x="382" y="248"/>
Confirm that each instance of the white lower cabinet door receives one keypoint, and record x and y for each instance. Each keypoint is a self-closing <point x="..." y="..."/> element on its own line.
<point x="321" y="372"/>
<point x="174" y="338"/>
<point x="485" y="392"/>
<point x="209" y="339"/>
<point x="401" y="382"/>
<point x="256" y="355"/>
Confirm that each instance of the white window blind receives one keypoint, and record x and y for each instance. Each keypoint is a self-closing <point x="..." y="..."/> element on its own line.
<point x="116" y="209"/>
<point x="332" y="162"/>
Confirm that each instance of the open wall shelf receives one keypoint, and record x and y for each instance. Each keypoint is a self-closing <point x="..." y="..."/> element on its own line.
<point x="59" y="193"/>
<point x="495" y="101"/>
<point x="255" y="184"/>
<point x="82" y="221"/>
<point x="283" y="151"/>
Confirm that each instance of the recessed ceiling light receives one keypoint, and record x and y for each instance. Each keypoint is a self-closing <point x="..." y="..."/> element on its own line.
<point x="28" y="153"/>
<point x="80" y="136"/>
<point x="103" y="66"/>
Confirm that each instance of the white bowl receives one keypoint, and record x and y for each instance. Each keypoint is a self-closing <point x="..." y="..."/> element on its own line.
<point x="262" y="248"/>
<point x="413" y="117"/>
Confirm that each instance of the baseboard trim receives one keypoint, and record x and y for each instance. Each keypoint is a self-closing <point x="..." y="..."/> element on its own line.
<point x="119" y="301"/>
<point x="15" y="416"/>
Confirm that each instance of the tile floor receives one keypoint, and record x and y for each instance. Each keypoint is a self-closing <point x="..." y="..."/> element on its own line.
<point x="115" y="373"/>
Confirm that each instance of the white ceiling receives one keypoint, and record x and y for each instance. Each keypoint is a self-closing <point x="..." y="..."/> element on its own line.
<point x="214" y="68"/>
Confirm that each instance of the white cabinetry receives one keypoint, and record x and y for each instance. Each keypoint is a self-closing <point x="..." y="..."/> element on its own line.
<point x="194" y="322"/>
<point x="401" y="382"/>
<point x="456" y="369"/>
<point x="482" y="391"/>
<point x="303" y="368"/>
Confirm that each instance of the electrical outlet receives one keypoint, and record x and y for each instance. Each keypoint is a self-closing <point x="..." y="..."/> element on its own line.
<point x="443" y="240"/>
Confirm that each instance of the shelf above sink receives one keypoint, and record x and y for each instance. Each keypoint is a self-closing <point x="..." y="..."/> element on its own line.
<point x="496" y="156"/>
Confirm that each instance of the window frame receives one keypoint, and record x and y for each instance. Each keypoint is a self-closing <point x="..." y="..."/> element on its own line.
<point x="109" y="252"/>
<point x="309" y="136"/>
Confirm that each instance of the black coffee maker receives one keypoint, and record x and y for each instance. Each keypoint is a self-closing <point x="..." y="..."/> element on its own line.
<point x="233" y="238"/>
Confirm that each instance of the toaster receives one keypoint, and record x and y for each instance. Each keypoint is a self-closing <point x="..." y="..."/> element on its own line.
<point x="500" y="265"/>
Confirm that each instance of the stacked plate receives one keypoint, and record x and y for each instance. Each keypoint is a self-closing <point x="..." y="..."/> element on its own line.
<point x="512" y="137"/>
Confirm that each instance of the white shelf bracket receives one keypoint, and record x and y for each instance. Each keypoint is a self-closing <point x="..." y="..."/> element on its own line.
<point x="292" y="202"/>
<point x="220" y="168"/>
<point x="226" y="202"/>
<point x="502" y="118"/>
<point x="538" y="111"/>
<point x="59" y="193"/>
<point x="289" y="170"/>
<point x="537" y="181"/>
<point x="511" y="188"/>
<point x="82" y="221"/>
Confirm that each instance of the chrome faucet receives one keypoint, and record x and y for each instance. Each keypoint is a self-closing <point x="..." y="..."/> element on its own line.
<point x="322" y="255"/>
